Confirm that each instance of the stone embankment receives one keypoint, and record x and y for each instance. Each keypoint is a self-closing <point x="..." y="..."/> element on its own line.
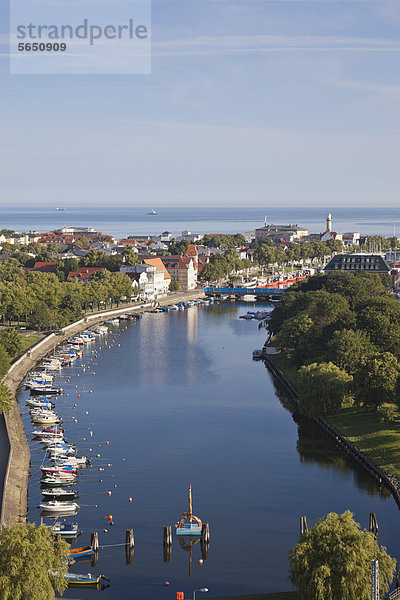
<point x="390" y="481"/>
<point x="15" y="485"/>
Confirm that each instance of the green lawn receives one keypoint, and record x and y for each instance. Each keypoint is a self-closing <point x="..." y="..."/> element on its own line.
<point x="28" y="341"/>
<point x="363" y="428"/>
<point x="360" y="426"/>
<point x="276" y="596"/>
<point x="288" y="368"/>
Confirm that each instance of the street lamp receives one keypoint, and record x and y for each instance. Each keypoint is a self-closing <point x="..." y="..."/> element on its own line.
<point x="199" y="590"/>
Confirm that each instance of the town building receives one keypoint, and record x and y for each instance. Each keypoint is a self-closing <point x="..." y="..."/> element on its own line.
<point x="183" y="269"/>
<point x="371" y="263"/>
<point x="156" y="280"/>
<point x="82" y="275"/>
<point x="289" y="233"/>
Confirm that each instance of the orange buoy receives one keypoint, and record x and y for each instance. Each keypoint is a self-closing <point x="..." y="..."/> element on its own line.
<point x="110" y="518"/>
<point x="109" y="493"/>
<point x="109" y="465"/>
<point x="200" y="561"/>
<point x="75" y="420"/>
<point x="107" y="443"/>
<point x="130" y="499"/>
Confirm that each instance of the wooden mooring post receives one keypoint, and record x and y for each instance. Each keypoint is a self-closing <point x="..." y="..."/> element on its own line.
<point x="373" y="524"/>
<point x="94" y="540"/>
<point x="167" y="533"/>
<point x="303" y="525"/>
<point x="205" y="533"/>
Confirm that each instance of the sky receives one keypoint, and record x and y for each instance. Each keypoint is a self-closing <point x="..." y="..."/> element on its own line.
<point x="249" y="102"/>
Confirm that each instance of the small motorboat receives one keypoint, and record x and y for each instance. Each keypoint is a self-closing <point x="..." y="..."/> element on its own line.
<point x="247" y="316"/>
<point x="58" y="494"/>
<point x="40" y="403"/>
<point x="257" y="354"/>
<point x="73" y="461"/>
<point x="82" y="552"/>
<point x="189" y="524"/>
<point x="46" y="390"/>
<point x="53" y="431"/>
<point x="76" y="579"/>
<point x="59" y="471"/>
<point x="56" y="481"/>
<point x="68" y="529"/>
<point x="58" y="506"/>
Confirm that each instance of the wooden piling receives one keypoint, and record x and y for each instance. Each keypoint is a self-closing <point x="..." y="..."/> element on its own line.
<point x="129" y="538"/>
<point x="167" y="535"/>
<point x="303" y="525"/>
<point x="205" y="533"/>
<point x="373" y="524"/>
<point x="94" y="540"/>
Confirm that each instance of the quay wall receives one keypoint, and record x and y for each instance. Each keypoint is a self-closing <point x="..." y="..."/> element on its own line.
<point x="390" y="481"/>
<point x="14" y="491"/>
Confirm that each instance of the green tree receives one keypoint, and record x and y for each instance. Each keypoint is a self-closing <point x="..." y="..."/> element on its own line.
<point x="130" y="256"/>
<point x="350" y="349"/>
<point x="4" y="361"/>
<point x="173" y="286"/>
<point x="323" y="388"/>
<point x="32" y="563"/>
<point x="376" y="381"/>
<point x="333" y="561"/>
<point x="11" y="341"/>
<point x="5" y="398"/>
<point x="179" y="248"/>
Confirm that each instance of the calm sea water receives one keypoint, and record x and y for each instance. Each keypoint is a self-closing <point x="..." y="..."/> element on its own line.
<point x="180" y="401"/>
<point x="123" y="221"/>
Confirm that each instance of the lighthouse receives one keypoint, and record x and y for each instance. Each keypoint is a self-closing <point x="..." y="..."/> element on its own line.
<point x="329" y="222"/>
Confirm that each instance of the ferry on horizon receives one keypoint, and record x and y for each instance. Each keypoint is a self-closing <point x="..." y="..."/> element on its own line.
<point x="152" y="212"/>
<point x="60" y="208"/>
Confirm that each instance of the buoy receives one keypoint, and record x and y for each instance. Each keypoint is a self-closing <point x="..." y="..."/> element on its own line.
<point x="90" y="391"/>
<point x="91" y="433"/>
<point x="115" y="485"/>
<point x="166" y="583"/>
<point x="105" y="530"/>
<point x="76" y="386"/>
<point x="109" y="493"/>
<point x="86" y="412"/>
<point x="109" y="465"/>
<point x="83" y="388"/>
<point x="84" y="439"/>
<point x="200" y="561"/>
<point x="75" y="420"/>
<point x="130" y="499"/>
<point x="95" y="505"/>
<point x="98" y="455"/>
<point x="79" y="395"/>
<point x="107" y="443"/>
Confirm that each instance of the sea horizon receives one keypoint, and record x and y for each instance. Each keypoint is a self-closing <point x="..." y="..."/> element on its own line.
<point x="122" y="221"/>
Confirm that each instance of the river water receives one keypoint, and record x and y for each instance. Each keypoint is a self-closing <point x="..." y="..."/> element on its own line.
<point x="180" y="400"/>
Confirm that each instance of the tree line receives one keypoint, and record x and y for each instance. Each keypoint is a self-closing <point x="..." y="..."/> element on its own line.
<point x="42" y="301"/>
<point x="342" y="331"/>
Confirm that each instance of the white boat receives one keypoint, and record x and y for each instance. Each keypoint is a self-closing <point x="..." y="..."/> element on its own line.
<point x="112" y="322"/>
<point x="40" y="402"/>
<point x="74" y="461"/>
<point x="55" y="480"/>
<point x="173" y="307"/>
<point x="58" y="493"/>
<point x="152" y="212"/>
<point x="59" y="506"/>
<point x="66" y="529"/>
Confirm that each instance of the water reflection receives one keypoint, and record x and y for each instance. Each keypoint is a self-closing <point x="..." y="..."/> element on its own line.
<point x="314" y="447"/>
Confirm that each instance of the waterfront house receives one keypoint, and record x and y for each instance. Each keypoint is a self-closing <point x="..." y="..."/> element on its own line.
<point x="157" y="280"/>
<point x="372" y="263"/>
<point x="83" y="274"/>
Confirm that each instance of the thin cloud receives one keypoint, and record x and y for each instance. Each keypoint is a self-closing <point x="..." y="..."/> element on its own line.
<point x="227" y="45"/>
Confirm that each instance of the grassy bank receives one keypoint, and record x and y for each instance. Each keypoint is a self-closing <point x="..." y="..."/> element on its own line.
<point x="276" y="596"/>
<point x="361" y="426"/>
<point x="28" y="340"/>
<point x="287" y="367"/>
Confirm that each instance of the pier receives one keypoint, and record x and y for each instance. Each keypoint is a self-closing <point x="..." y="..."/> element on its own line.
<point x="261" y="293"/>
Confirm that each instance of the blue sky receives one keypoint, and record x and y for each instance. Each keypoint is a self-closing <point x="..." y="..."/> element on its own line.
<point x="250" y="102"/>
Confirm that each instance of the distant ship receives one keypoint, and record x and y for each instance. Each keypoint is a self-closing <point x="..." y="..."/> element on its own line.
<point x="152" y="212"/>
<point x="60" y="208"/>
